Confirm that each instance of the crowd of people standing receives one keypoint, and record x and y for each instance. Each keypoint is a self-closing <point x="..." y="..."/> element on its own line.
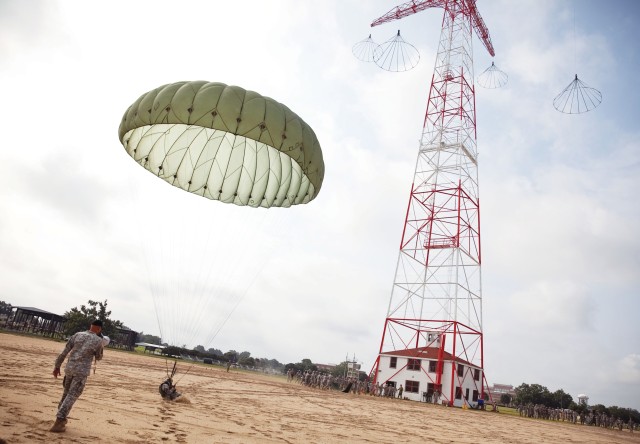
<point x="325" y="381"/>
<point x="589" y="417"/>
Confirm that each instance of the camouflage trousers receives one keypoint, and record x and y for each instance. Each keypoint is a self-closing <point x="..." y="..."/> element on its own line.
<point x="73" y="387"/>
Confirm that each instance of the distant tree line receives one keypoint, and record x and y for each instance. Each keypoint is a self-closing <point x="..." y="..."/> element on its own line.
<point x="243" y="359"/>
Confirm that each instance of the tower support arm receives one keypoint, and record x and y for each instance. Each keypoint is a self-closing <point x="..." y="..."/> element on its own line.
<point x="407" y="9"/>
<point x="470" y="9"/>
<point x="479" y="26"/>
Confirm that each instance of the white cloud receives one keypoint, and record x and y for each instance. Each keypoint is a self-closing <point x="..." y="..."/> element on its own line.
<point x="628" y="369"/>
<point x="560" y="306"/>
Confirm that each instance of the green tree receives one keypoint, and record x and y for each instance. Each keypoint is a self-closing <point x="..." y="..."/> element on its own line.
<point x="231" y="356"/>
<point x="303" y="366"/>
<point x="340" y="369"/>
<point x="533" y="394"/>
<point x="273" y="364"/>
<point x="505" y="399"/>
<point x="173" y="351"/>
<point x="306" y="364"/>
<point x="79" y="319"/>
<point x="200" y="348"/>
<point x="560" y="399"/>
<point x="600" y="408"/>
<point x="215" y="351"/>
<point x="5" y="308"/>
<point x="248" y="361"/>
<point x="149" y="339"/>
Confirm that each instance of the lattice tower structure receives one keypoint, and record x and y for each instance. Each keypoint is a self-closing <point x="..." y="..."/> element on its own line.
<point x="436" y="298"/>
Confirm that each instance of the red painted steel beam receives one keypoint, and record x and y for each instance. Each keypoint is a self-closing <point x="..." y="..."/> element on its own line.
<point x="407" y="9"/>
<point x="471" y="10"/>
<point x="479" y="26"/>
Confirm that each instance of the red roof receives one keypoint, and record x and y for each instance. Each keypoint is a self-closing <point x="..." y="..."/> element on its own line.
<point x="426" y="353"/>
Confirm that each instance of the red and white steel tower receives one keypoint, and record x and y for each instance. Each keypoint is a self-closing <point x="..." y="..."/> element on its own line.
<point x="436" y="299"/>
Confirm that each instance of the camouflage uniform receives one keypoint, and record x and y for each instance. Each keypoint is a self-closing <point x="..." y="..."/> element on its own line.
<point x="83" y="347"/>
<point x="168" y="390"/>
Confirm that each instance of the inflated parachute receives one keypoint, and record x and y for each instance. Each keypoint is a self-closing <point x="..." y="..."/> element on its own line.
<point x="224" y="143"/>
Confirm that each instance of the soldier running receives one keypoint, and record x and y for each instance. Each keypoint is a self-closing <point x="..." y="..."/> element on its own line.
<point x="82" y="348"/>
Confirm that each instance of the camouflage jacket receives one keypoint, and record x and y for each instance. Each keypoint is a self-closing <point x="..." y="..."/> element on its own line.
<point x="81" y="348"/>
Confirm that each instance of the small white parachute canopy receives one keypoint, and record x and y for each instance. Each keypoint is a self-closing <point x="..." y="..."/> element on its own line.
<point x="224" y="143"/>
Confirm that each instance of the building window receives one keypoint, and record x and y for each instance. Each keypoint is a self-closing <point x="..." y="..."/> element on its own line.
<point x="432" y="366"/>
<point x="475" y="395"/>
<point x="476" y="374"/>
<point x="466" y="394"/>
<point x="460" y="370"/>
<point x="458" y="392"/>
<point x="412" y="386"/>
<point x="413" y="364"/>
<point x="393" y="362"/>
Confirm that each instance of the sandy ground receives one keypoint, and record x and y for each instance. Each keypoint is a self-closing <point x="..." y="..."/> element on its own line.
<point x="121" y="404"/>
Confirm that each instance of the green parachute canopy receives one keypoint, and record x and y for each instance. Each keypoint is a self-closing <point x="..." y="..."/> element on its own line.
<point x="224" y="143"/>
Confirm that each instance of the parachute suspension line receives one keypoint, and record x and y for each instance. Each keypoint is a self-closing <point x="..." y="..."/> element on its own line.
<point x="174" y="369"/>
<point x="194" y="285"/>
<point x="184" y="374"/>
<point x="200" y="284"/>
<point x="239" y="299"/>
<point x="279" y="230"/>
<point x="224" y="293"/>
<point x="196" y="288"/>
<point x="146" y="257"/>
<point x="240" y="230"/>
<point x="243" y="234"/>
<point x="153" y="238"/>
<point x="181" y="253"/>
<point x="165" y="242"/>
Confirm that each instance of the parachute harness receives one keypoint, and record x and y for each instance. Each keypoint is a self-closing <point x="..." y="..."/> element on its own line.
<point x="174" y="370"/>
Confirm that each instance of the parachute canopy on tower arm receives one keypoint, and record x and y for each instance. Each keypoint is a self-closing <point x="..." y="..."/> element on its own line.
<point x="224" y="143"/>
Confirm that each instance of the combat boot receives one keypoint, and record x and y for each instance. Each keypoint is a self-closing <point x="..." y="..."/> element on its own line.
<point x="59" y="425"/>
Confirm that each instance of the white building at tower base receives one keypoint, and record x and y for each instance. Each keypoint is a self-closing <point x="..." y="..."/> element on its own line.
<point x="430" y="374"/>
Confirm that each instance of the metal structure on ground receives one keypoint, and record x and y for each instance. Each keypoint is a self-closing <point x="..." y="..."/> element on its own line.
<point x="436" y="299"/>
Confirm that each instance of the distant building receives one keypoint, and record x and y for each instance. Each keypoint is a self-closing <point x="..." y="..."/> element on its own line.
<point x="328" y="368"/>
<point x="124" y="338"/>
<point x="353" y="369"/>
<point x="497" y="390"/>
<point x="44" y="323"/>
<point x="37" y="321"/>
<point x="583" y="400"/>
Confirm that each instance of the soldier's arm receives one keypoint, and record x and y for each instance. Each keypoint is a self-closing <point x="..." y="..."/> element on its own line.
<point x="99" y="352"/>
<point x="65" y="352"/>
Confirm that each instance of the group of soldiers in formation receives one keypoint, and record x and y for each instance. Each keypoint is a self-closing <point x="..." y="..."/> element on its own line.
<point x="325" y="381"/>
<point x="592" y="418"/>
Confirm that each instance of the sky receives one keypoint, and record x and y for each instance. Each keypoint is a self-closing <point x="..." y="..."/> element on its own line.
<point x="559" y="202"/>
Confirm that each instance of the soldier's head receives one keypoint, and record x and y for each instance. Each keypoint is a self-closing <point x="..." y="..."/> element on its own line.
<point x="96" y="326"/>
